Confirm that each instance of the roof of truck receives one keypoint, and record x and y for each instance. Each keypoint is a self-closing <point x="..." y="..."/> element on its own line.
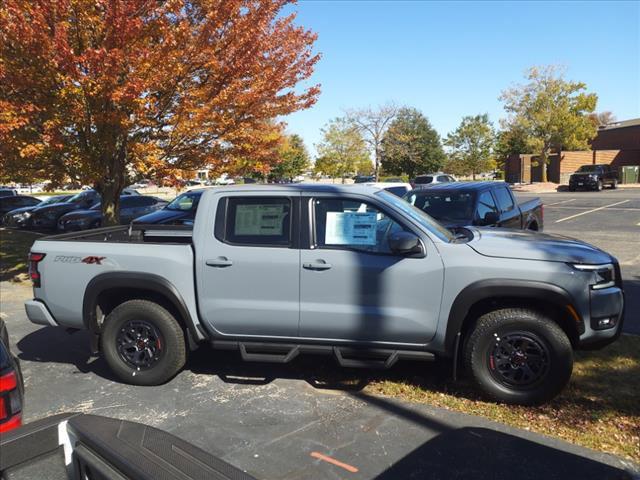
<point x="301" y="187"/>
<point x="460" y="186"/>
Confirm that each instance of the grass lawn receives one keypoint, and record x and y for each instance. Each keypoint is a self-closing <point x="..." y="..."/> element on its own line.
<point x="14" y="249"/>
<point x="599" y="409"/>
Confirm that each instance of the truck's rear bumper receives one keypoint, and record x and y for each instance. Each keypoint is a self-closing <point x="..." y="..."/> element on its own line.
<point x="38" y="313"/>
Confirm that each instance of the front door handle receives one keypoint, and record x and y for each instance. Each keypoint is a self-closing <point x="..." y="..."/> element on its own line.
<point x="219" y="262"/>
<point x="317" y="265"/>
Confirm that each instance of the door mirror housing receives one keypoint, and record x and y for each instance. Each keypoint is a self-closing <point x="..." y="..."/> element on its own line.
<point x="405" y="243"/>
<point x="490" y="218"/>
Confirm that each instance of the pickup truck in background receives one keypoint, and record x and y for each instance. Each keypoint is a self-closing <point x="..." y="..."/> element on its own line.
<point x="489" y="204"/>
<point x="350" y="271"/>
<point x="593" y="177"/>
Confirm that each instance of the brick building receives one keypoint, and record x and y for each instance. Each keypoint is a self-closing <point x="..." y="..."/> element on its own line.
<point x="617" y="144"/>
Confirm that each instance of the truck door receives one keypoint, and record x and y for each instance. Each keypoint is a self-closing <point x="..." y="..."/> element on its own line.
<point x="248" y="265"/>
<point x="510" y="216"/>
<point x="353" y="288"/>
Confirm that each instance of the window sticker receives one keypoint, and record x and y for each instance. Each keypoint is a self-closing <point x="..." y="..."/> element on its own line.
<point x="259" y="219"/>
<point x="350" y="228"/>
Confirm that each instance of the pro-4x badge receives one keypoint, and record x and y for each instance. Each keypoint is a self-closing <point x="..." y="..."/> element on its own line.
<point x="91" y="260"/>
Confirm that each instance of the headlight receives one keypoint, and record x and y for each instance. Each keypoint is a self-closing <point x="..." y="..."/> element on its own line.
<point x="604" y="276"/>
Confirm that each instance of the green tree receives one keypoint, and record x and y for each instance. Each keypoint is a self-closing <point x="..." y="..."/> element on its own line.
<point x="343" y="151"/>
<point x="551" y="111"/>
<point x="294" y="159"/>
<point x="411" y="145"/>
<point x="471" y="146"/>
<point x="509" y="142"/>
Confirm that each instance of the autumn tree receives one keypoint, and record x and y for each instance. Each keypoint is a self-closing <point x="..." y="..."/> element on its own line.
<point x="372" y="123"/>
<point x="602" y="118"/>
<point x="293" y="159"/>
<point x="551" y="111"/>
<point x="94" y="89"/>
<point x="471" y="146"/>
<point x="411" y="145"/>
<point x="342" y="151"/>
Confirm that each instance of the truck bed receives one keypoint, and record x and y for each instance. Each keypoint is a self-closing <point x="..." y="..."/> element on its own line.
<point x="138" y="233"/>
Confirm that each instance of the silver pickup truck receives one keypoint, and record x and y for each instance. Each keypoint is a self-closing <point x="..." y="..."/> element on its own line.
<point x="358" y="273"/>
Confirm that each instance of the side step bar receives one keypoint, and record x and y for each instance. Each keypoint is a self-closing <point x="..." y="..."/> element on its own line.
<point x="348" y="357"/>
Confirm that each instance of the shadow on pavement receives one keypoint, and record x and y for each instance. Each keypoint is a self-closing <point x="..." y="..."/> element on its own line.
<point x="463" y="452"/>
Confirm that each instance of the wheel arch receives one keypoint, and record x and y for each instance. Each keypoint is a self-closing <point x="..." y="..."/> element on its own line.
<point x="486" y="295"/>
<point x="106" y="291"/>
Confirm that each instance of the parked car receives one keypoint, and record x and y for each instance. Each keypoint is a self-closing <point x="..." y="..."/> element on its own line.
<point x="364" y="178"/>
<point x="27" y="189"/>
<point x="16" y="201"/>
<point x="180" y="211"/>
<point x="397" y="188"/>
<point x="11" y="385"/>
<point x="593" y="177"/>
<point x="74" y="446"/>
<point x="20" y="217"/>
<point x="47" y="216"/>
<point x="432" y="178"/>
<point x="131" y="206"/>
<point x="8" y="192"/>
<point x="489" y="204"/>
<point x="353" y="272"/>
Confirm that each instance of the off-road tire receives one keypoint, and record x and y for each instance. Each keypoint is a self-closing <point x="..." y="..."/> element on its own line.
<point x="173" y="352"/>
<point x="497" y="326"/>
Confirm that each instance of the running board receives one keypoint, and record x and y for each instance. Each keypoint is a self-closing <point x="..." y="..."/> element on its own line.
<point x="348" y="357"/>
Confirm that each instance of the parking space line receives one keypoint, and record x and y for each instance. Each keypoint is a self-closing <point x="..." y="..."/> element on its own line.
<point x="591" y="211"/>
<point x="558" y="203"/>
<point x="333" y="461"/>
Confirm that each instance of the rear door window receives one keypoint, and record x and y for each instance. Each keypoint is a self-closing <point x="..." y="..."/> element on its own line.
<point x="505" y="201"/>
<point x="260" y="221"/>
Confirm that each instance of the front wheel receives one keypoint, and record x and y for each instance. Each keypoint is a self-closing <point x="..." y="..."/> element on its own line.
<point x="599" y="186"/>
<point x="518" y="356"/>
<point x="143" y="343"/>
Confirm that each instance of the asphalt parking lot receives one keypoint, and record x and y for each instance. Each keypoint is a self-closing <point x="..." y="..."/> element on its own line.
<point x="310" y="420"/>
<point x="609" y="220"/>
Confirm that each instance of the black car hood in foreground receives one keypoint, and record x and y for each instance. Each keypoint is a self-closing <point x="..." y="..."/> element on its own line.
<point x="166" y="216"/>
<point x="526" y="245"/>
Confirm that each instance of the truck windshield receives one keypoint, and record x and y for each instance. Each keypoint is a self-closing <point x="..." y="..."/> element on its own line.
<point x="588" y="168"/>
<point x="444" y="206"/>
<point x="417" y="215"/>
<point x="186" y="201"/>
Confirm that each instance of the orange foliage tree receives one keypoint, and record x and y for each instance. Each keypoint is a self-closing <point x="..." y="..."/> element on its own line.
<point x="94" y="89"/>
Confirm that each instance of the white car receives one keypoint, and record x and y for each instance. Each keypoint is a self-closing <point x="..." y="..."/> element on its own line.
<point x="397" y="188"/>
<point x="432" y="178"/>
<point x="25" y="189"/>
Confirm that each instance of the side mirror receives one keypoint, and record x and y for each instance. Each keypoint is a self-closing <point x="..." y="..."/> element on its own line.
<point x="405" y="243"/>
<point x="491" y="218"/>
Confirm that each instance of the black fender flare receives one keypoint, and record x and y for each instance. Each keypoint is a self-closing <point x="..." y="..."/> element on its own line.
<point x="136" y="281"/>
<point x="504" y="289"/>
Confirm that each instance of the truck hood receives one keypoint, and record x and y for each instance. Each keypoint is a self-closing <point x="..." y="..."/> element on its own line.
<point x="507" y="243"/>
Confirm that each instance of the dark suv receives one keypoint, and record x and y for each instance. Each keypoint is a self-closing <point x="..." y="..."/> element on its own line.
<point x="593" y="177"/>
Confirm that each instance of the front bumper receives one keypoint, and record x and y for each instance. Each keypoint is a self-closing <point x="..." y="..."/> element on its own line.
<point x="38" y="313"/>
<point x="606" y="318"/>
<point x="583" y="182"/>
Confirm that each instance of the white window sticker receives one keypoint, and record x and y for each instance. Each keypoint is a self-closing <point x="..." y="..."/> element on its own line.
<point x="350" y="228"/>
<point x="259" y="219"/>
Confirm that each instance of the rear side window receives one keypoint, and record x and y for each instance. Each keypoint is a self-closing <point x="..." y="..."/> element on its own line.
<point x="398" y="191"/>
<point x="423" y="180"/>
<point x="443" y="178"/>
<point x="486" y="204"/>
<point x="505" y="202"/>
<point x="262" y="221"/>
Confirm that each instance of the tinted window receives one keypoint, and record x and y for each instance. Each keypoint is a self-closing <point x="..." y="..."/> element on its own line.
<point x="135" y="201"/>
<point x="587" y="168"/>
<point x="186" y="201"/>
<point x="446" y="206"/>
<point x="423" y="180"/>
<point x="443" y="178"/>
<point x="399" y="191"/>
<point x="28" y="202"/>
<point x="352" y="224"/>
<point x="6" y="193"/>
<point x="486" y="204"/>
<point x="505" y="202"/>
<point x="258" y="221"/>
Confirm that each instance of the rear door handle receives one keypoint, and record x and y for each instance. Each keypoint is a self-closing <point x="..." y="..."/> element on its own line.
<point x="318" y="265"/>
<point x="219" y="262"/>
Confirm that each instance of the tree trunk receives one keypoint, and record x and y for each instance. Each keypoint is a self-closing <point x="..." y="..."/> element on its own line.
<point x="377" y="164"/>
<point x="110" y="198"/>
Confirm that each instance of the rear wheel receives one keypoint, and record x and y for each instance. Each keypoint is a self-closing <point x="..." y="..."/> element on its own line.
<point x="143" y="343"/>
<point x="518" y="356"/>
<point x="614" y="184"/>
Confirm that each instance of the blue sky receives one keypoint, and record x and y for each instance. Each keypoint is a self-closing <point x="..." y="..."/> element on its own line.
<point x="454" y="59"/>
